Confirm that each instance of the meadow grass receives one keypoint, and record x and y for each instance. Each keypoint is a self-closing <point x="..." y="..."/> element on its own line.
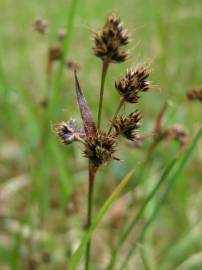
<point x="43" y="213"/>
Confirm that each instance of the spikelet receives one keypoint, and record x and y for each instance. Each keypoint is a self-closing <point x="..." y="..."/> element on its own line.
<point x="134" y="82"/>
<point x="100" y="148"/>
<point x="195" y="94"/>
<point x="68" y="132"/>
<point x="128" y="125"/>
<point x="109" y="40"/>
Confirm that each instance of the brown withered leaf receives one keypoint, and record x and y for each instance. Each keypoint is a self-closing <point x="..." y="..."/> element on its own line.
<point x="89" y="124"/>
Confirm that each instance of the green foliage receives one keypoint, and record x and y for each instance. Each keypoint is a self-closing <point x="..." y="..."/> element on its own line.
<point x="43" y="184"/>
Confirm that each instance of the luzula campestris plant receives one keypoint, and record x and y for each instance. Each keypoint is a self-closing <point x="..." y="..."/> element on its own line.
<point x="99" y="145"/>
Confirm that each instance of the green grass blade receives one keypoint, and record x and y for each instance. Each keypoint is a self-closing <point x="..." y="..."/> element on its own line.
<point x="184" y="246"/>
<point x="78" y="253"/>
<point x="58" y="80"/>
<point x="124" y="236"/>
<point x="170" y="185"/>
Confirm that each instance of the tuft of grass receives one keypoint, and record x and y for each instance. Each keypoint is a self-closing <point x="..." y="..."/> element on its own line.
<point x="162" y="199"/>
<point x="98" y="218"/>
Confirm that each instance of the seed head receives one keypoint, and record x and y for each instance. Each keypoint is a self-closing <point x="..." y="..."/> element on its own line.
<point x="135" y="81"/>
<point x="72" y="65"/>
<point x="100" y="148"/>
<point x="195" y="94"/>
<point x="174" y="132"/>
<point x="110" y="39"/>
<point x="40" y="26"/>
<point x="128" y="125"/>
<point x="61" y="35"/>
<point x="68" y="132"/>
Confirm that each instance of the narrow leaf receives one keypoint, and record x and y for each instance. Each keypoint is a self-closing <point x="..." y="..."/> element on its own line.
<point x="89" y="124"/>
<point x="170" y="185"/>
<point x="99" y="217"/>
<point x="130" y="227"/>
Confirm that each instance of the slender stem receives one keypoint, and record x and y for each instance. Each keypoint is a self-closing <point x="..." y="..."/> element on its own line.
<point x="92" y="172"/>
<point x="105" y="66"/>
<point x="121" y="102"/>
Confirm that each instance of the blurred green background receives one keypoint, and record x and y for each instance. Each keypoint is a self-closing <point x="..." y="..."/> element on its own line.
<point x="43" y="188"/>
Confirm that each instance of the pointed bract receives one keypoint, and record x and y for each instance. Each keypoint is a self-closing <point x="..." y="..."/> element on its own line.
<point x="88" y="122"/>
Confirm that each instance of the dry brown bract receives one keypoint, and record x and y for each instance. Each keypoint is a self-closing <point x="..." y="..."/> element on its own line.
<point x="135" y="81"/>
<point x="110" y="39"/>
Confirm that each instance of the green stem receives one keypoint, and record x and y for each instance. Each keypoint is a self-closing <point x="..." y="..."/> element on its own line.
<point x="105" y="66"/>
<point x="92" y="172"/>
<point x="120" y="105"/>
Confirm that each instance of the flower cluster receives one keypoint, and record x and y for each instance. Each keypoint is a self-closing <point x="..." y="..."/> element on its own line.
<point x="128" y="125"/>
<point x="99" y="145"/>
<point x="174" y="132"/>
<point x="134" y="82"/>
<point x="100" y="148"/>
<point x="68" y="132"/>
<point x="110" y="39"/>
<point x="195" y="94"/>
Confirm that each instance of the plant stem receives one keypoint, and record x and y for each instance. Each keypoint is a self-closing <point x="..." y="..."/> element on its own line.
<point x="121" y="102"/>
<point x="105" y="66"/>
<point x="92" y="172"/>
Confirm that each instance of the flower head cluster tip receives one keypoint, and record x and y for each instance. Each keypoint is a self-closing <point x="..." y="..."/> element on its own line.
<point x="68" y="132"/>
<point x="134" y="82"/>
<point x="175" y="132"/>
<point x="40" y="26"/>
<point x="128" y="125"/>
<point x="195" y="94"/>
<point x="110" y="39"/>
<point x="100" y="149"/>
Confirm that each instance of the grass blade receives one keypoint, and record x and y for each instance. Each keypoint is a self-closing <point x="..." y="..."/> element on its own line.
<point x="58" y="80"/>
<point x="133" y="223"/>
<point x="78" y="253"/>
<point x="170" y="185"/>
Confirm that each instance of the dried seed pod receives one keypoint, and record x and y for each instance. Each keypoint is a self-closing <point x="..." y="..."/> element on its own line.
<point x="68" y="132"/>
<point x="134" y="82"/>
<point x="72" y="65"/>
<point x="110" y="39"/>
<point x="40" y="26"/>
<point x="178" y="133"/>
<point x="174" y="132"/>
<point x="195" y="94"/>
<point x="128" y="125"/>
<point x="61" y="35"/>
<point x="100" y="148"/>
<point x="54" y="54"/>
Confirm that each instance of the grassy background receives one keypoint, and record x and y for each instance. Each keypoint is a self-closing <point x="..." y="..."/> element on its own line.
<point x="43" y="188"/>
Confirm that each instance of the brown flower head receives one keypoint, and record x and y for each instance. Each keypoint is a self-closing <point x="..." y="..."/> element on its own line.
<point x="195" y="94"/>
<point x="110" y="39"/>
<point x="174" y="132"/>
<point x="68" y="132"/>
<point x="61" y="35"/>
<point x="128" y="125"/>
<point x="100" y="148"/>
<point x="135" y="81"/>
<point x="40" y="26"/>
<point x="138" y="142"/>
